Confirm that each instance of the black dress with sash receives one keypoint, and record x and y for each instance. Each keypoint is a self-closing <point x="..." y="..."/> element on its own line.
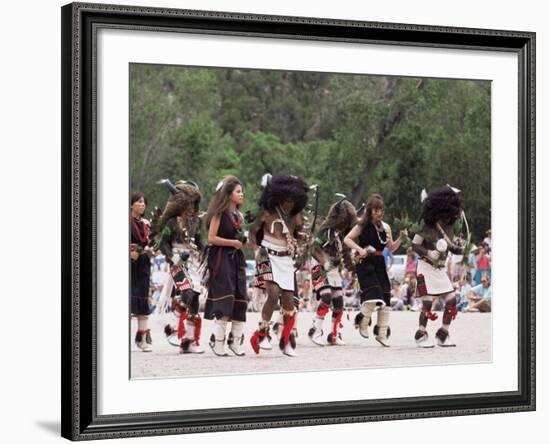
<point x="371" y="272"/>
<point x="227" y="293"/>
<point x="140" y="270"/>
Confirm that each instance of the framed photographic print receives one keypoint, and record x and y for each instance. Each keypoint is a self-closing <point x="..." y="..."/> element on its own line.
<point x="292" y="221"/>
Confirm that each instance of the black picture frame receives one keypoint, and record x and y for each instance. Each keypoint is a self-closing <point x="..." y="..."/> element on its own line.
<point x="80" y="420"/>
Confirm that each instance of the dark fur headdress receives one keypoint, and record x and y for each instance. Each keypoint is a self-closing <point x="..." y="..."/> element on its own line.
<point x="280" y="188"/>
<point x="186" y="200"/>
<point x="341" y="217"/>
<point x="441" y="204"/>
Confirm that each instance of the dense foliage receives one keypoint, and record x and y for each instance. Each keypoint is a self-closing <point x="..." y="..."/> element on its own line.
<point x="352" y="134"/>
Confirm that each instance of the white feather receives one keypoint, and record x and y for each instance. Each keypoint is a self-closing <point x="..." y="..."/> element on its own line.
<point x="266" y="178"/>
<point x="423" y="195"/>
<point x="456" y="190"/>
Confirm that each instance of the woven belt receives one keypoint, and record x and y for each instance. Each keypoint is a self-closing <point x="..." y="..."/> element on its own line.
<point x="277" y="253"/>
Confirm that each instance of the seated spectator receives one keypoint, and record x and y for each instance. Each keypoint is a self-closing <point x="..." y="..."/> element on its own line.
<point x="464" y="289"/>
<point x="408" y="292"/>
<point x="480" y="295"/>
<point x="396" y="296"/>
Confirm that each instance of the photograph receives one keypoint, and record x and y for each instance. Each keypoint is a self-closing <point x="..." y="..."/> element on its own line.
<point x="292" y="221"/>
<point x="285" y="221"/>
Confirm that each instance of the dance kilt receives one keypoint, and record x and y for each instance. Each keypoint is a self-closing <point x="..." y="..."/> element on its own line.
<point x="436" y="280"/>
<point x="321" y="277"/>
<point x="273" y="268"/>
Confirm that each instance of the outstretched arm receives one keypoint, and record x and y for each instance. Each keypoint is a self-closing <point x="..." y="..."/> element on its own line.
<point x="394" y="245"/>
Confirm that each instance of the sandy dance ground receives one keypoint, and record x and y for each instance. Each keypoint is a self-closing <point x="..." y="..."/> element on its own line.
<point x="472" y="332"/>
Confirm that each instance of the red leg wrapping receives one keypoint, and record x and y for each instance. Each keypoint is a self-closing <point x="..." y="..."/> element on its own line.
<point x="181" y="324"/>
<point x="336" y="324"/>
<point x="322" y="310"/>
<point x="255" y="340"/>
<point x="449" y="314"/>
<point x="430" y="314"/>
<point x="289" y="321"/>
<point x="198" y="324"/>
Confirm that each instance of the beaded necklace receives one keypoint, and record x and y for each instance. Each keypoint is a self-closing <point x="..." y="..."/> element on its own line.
<point x="291" y="243"/>
<point x="142" y="238"/>
<point x="380" y="230"/>
<point x="235" y="218"/>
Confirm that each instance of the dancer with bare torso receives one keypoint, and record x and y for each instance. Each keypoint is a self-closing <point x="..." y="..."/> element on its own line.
<point x="276" y="233"/>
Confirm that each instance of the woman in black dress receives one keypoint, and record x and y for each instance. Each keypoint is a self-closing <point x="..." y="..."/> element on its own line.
<point x="369" y="238"/>
<point x="140" y="271"/>
<point x="227" y="296"/>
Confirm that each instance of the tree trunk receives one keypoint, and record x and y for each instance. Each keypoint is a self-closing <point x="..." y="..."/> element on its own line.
<point x="395" y="117"/>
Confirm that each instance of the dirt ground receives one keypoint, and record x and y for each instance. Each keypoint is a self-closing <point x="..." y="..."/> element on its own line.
<point x="472" y="333"/>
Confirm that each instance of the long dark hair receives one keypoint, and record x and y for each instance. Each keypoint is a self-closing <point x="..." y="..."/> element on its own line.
<point x="136" y="195"/>
<point x="375" y="202"/>
<point x="220" y="201"/>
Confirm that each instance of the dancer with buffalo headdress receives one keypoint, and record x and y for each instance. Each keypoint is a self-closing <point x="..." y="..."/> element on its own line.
<point x="441" y="222"/>
<point x="276" y="233"/>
